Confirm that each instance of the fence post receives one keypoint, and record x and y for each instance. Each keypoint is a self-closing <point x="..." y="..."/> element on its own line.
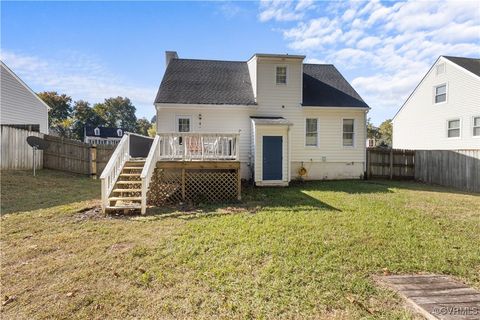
<point x="93" y="161"/>
<point x="391" y="164"/>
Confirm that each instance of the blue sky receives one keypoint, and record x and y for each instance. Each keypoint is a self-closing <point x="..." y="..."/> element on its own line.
<point x="94" y="50"/>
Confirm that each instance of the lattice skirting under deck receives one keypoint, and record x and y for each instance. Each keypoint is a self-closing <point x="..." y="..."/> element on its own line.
<point x="172" y="186"/>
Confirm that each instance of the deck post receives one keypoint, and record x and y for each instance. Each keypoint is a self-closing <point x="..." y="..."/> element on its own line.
<point x="391" y="164"/>
<point x="239" y="185"/>
<point x="183" y="184"/>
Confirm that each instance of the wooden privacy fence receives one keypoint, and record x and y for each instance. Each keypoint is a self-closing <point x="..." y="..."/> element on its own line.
<point x="452" y="168"/>
<point x="390" y="163"/>
<point x="75" y="156"/>
<point x="16" y="153"/>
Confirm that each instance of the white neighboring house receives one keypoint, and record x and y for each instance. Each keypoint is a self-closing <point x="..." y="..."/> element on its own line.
<point x="20" y="107"/>
<point x="443" y="112"/>
<point x="290" y="115"/>
<point x="103" y="135"/>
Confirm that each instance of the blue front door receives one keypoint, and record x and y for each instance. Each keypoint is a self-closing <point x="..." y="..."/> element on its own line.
<point x="272" y="157"/>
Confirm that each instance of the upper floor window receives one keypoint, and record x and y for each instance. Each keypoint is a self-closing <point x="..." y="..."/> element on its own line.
<point x="184" y="123"/>
<point x="281" y="75"/>
<point x="441" y="93"/>
<point x="96" y="131"/>
<point x="119" y="132"/>
<point x="476" y="126"/>
<point x="311" y="132"/>
<point x="453" y="128"/>
<point x="440" y="68"/>
<point x="348" y="132"/>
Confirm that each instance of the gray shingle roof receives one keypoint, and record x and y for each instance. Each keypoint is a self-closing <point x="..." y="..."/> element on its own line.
<point x="471" y="64"/>
<point x="206" y="82"/>
<point x="191" y="81"/>
<point x="323" y="85"/>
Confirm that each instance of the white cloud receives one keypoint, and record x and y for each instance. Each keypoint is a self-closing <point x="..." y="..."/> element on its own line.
<point x="78" y="76"/>
<point x="386" y="48"/>
<point x="287" y="10"/>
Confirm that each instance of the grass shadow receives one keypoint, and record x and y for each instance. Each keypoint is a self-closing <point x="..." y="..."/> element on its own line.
<point x="21" y="191"/>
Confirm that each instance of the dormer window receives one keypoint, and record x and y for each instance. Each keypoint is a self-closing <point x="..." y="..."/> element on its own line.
<point x="119" y="132"/>
<point x="440" y="93"/>
<point x="96" y="131"/>
<point x="281" y="75"/>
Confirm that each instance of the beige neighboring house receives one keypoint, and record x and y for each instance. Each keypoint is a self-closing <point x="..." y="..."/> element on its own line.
<point x="20" y="107"/>
<point x="443" y="112"/>
<point x="294" y="118"/>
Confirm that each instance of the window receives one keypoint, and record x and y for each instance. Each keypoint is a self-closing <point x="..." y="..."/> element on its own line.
<point x="440" y="69"/>
<point x="453" y="130"/>
<point x="476" y="126"/>
<point x="184" y="123"/>
<point x="441" y="93"/>
<point x="348" y="132"/>
<point x="311" y="132"/>
<point x="119" y="132"/>
<point x="96" y="131"/>
<point x="281" y="75"/>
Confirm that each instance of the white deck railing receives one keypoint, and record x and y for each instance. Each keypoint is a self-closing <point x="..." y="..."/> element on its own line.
<point x="148" y="169"/>
<point x="199" y="146"/>
<point x="114" y="168"/>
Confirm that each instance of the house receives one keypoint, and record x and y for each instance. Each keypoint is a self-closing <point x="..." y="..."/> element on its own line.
<point x="270" y="119"/>
<point x="103" y="135"/>
<point x="20" y="106"/>
<point x="443" y="112"/>
<point x="289" y="114"/>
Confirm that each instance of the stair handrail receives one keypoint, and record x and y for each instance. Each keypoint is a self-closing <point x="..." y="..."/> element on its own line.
<point x="148" y="169"/>
<point x="114" y="167"/>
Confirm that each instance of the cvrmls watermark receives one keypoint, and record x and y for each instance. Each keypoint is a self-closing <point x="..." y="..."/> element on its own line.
<point x="456" y="311"/>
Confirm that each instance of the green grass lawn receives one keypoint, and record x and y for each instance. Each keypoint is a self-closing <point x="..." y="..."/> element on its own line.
<point x="307" y="251"/>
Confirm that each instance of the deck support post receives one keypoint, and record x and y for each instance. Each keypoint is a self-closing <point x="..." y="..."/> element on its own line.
<point x="239" y="185"/>
<point x="183" y="184"/>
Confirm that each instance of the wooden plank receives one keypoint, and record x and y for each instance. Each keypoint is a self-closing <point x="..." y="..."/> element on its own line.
<point x="447" y="299"/>
<point x="427" y="293"/>
<point x="198" y="164"/>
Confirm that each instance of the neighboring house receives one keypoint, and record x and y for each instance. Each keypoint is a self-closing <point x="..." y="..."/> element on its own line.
<point x="103" y="135"/>
<point x="443" y="112"/>
<point x="294" y="118"/>
<point x="20" y="107"/>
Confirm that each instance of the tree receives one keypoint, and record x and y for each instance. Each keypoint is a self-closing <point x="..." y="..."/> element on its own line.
<point x="154" y="119"/>
<point x="60" y="107"/>
<point x="385" y="130"/>
<point x="117" y="112"/>
<point x="143" y="125"/>
<point x="84" y="115"/>
<point x="372" y="131"/>
<point x="153" y="130"/>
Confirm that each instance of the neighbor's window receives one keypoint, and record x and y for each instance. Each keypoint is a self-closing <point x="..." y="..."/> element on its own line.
<point x="440" y="68"/>
<point x="348" y="133"/>
<point x="119" y="132"/>
<point x="96" y="131"/>
<point x="311" y="132"/>
<point x="441" y="93"/>
<point x="183" y="124"/>
<point x="453" y="130"/>
<point x="281" y="75"/>
<point x="476" y="126"/>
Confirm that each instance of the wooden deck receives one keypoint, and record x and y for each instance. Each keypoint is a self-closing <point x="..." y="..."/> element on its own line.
<point x="436" y="296"/>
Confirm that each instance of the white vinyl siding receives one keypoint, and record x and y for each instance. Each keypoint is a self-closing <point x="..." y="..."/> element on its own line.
<point x="311" y="132"/>
<point x="19" y="106"/>
<point x="348" y="132"/>
<point x="422" y="124"/>
<point x="453" y="128"/>
<point x="441" y="93"/>
<point x="476" y="126"/>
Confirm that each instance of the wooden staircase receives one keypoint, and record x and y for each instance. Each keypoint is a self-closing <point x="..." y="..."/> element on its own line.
<point x="127" y="192"/>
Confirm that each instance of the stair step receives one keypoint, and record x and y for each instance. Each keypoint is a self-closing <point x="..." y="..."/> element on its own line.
<point x="129" y="174"/>
<point x="129" y="182"/>
<point x="125" y="198"/>
<point x="127" y="190"/>
<point x="133" y="168"/>
<point x="123" y="207"/>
